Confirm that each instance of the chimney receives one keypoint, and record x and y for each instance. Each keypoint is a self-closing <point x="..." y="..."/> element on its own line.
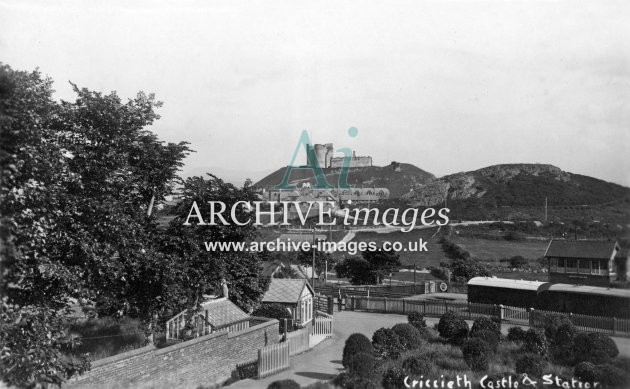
<point x="224" y="288"/>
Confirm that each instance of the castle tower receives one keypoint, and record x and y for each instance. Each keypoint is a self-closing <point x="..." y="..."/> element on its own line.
<point x="324" y="154"/>
<point x="329" y="154"/>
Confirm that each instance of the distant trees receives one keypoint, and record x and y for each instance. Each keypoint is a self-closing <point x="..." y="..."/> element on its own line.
<point x="371" y="268"/>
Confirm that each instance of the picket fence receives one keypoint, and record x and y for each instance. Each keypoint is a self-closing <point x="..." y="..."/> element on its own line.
<point x="273" y="359"/>
<point x="322" y="324"/>
<point x="608" y="325"/>
<point x="298" y="341"/>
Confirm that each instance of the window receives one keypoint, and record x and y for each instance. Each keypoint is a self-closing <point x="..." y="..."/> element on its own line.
<point x="584" y="266"/>
<point x="553" y="264"/>
<point x="572" y="265"/>
<point x="310" y="309"/>
<point x="561" y="265"/>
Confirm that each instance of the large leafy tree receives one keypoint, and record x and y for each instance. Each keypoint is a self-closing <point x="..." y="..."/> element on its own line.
<point x="382" y="262"/>
<point x="201" y="270"/>
<point x="77" y="178"/>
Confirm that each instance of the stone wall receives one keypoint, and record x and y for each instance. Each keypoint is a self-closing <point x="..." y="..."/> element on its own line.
<point x="206" y="361"/>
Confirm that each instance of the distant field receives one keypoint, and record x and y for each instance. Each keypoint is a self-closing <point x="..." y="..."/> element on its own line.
<point x="432" y="257"/>
<point x="494" y="250"/>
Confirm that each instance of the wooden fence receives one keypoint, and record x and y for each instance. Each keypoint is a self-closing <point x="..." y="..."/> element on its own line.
<point x="273" y="359"/>
<point x="298" y="341"/>
<point x="607" y="325"/>
<point x="322" y="324"/>
<point x="516" y="315"/>
<point x="425" y="307"/>
<point x="323" y="303"/>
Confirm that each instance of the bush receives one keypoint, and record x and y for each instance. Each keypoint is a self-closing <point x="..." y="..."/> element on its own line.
<point x="284" y="384"/>
<point x="586" y="372"/>
<point x="418" y="365"/>
<point x="513" y="236"/>
<point x="409" y="336"/>
<point x="516" y="335"/>
<point x="476" y="353"/>
<point x="565" y="335"/>
<point x="530" y="364"/>
<point x="416" y="319"/>
<point x="394" y="378"/>
<point x="355" y="344"/>
<point x="452" y="327"/>
<point x="612" y="377"/>
<point x="490" y="337"/>
<point x="552" y="323"/>
<point x="594" y="347"/>
<point x="518" y="261"/>
<point x="561" y="349"/>
<point x="386" y="343"/>
<point x="485" y="323"/>
<point x="535" y="342"/>
<point x="361" y="365"/>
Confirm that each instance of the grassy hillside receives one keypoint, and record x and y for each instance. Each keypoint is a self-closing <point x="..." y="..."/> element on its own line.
<point x="398" y="182"/>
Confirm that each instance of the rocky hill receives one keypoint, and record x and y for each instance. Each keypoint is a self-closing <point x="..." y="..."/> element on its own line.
<point x="399" y="178"/>
<point x="518" y="185"/>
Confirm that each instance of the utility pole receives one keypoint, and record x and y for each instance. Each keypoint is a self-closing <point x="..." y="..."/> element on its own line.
<point x="414" y="276"/>
<point x="545" y="208"/>
<point x="313" y="268"/>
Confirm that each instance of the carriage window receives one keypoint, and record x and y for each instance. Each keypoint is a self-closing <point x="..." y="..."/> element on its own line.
<point x="553" y="265"/>
<point x="572" y="265"/>
<point x="597" y="268"/>
<point x="585" y="266"/>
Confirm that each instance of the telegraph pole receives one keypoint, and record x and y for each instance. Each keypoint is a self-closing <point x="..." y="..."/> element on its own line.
<point x="313" y="268"/>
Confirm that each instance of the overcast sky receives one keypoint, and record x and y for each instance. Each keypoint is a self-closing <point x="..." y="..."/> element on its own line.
<point x="446" y="85"/>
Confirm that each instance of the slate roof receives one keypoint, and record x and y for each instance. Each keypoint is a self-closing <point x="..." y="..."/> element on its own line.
<point x="581" y="249"/>
<point x="285" y="290"/>
<point x="222" y="311"/>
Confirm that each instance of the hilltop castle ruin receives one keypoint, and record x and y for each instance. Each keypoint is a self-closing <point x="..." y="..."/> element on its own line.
<point x="325" y="159"/>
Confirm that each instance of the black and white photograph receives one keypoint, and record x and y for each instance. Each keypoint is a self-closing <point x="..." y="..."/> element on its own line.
<point x="289" y="194"/>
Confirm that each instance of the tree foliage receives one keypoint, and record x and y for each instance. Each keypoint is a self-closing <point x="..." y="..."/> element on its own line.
<point x="77" y="179"/>
<point x="371" y="268"/>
